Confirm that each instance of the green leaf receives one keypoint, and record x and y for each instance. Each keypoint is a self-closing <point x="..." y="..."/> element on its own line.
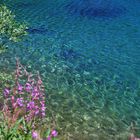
<point x="55" y="139"/>
<point x="47" y="133"/>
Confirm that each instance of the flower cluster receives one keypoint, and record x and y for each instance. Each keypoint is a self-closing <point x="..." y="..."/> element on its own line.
<point x="53" y="134"/>
<point x="28" y="96"/>
<point x="26" y="99"/>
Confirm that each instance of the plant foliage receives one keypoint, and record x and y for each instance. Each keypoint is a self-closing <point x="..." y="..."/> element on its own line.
<point x="10" y="29"/>
<point x="23" y="110"/>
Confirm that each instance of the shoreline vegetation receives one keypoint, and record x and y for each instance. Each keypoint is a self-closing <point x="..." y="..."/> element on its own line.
<point x="23" y="99"/>
<point x="10" y="29"/>
<point x="23" y="110"/>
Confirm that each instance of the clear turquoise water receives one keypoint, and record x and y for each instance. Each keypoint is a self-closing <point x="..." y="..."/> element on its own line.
<point x="89" y="61"/>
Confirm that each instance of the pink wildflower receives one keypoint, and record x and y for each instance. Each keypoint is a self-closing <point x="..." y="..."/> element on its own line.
<point x="49" y="138"/>
<point x="30" y="105"/>
<point x="43" y="108"/>
<point x="6" y="92"/>
<point x="43" y="114"/>
<point x="54" y="133"/>
<point x="20" y="102"/>
<point x="34" y="134"/>
<point x="28" y="87"/>
<point x="20" y="87"/>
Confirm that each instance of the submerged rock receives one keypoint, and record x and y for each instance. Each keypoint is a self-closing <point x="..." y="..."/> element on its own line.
<point x="37" y="30"/>
<point x="42" y="30"/>
<point x="24" y="4"/>
<point x="67" y="54"/>
<point x="95" y="8"/>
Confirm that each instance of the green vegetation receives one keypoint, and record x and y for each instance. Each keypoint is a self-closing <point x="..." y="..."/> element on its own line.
<point x="23" y="108"/>
<point x="20" y="119"/>
<point x="10" y="29"/>
<point x="6" y="80"/>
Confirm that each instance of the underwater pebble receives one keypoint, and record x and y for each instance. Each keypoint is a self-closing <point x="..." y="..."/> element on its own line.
<point x="86" y="73"/>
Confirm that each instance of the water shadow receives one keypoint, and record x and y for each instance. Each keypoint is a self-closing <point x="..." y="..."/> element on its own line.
<point x="95" y="9"/>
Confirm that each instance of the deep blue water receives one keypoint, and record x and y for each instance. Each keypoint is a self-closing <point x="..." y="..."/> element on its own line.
<point x="88" y="53"/>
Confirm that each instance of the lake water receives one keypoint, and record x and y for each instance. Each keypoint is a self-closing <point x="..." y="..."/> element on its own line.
<point x="88" y="54"/>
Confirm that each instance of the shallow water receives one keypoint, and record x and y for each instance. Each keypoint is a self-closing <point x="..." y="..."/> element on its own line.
<point x="89" y="59"/>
